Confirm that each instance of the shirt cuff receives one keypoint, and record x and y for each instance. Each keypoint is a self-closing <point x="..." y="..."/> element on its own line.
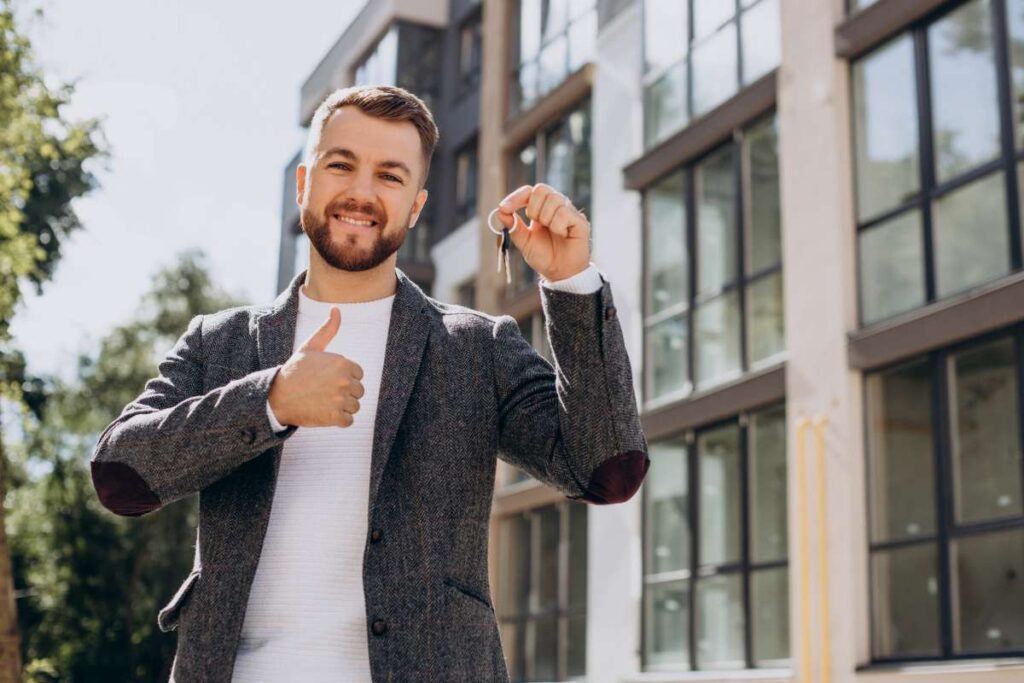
<point x="275" y="426"/>
<point x="587" y="281"/>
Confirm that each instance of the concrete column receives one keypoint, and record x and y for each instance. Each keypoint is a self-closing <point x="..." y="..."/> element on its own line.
<point x="820" y="307"/>
<point x="494" y="88"/>
<point x="615" y="578"/>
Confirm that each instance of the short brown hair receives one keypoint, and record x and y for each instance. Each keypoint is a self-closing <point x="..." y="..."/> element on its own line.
<point x="384" y="102"/>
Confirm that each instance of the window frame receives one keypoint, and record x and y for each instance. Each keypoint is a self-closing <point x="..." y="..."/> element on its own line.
<point x="696" y="572"/>
<point x="469" y="82"/>
<point x="740" y="283"/>
<point x="416" y="42"/>
<point x="516" y="104"/>
<point x="930" y="190"/>
<point x="564" y="611"/>
<point x="651" y="76"/>
<point x="465" y="208"/>
<point x="947" y="530"/>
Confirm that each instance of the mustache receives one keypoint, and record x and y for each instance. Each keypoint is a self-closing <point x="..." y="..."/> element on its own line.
<point x="367" y="211"/>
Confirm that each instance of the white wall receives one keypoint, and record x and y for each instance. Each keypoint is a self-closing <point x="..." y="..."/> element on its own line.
<point x="456" y="259"/>
<point x="614" y="563"/>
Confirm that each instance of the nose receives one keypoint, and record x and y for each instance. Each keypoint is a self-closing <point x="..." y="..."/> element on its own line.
<point x="360" y="189"/>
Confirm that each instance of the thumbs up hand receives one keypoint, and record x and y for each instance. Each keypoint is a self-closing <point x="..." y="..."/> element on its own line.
<point x="317" y="388"/>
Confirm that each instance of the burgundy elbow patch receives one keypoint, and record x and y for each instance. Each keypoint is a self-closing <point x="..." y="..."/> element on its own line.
<point x="122" y="490"/>
<point x="617" y="479"/>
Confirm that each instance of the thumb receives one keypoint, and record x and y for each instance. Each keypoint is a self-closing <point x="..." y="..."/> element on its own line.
<point x="319" y="340"/>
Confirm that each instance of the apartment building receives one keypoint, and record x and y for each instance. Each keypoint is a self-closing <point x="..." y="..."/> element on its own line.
<point x="810" y="213"/>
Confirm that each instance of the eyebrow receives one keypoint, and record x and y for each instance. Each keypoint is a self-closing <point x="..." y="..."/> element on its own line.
<point x="349" y="154"/>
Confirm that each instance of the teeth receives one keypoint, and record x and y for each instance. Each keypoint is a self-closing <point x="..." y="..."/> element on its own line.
<point x="353" y="221"/>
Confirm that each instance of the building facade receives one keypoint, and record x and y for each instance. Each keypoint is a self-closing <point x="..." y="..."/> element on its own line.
<point x="810" y="212"/>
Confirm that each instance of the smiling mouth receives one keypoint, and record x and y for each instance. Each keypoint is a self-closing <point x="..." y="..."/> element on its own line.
<point x="354" y="221"/>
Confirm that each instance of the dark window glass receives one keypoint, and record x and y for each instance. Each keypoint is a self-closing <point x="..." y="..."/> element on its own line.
<point x="466" y="182"/>
<point x="470" y="54"/>
<point x="961" y="56"/>
<point x="985" y="429"/>
<point x="989" y="591"/>
<point x="932" y="168"/>
<point x="900" y="451"/>
<point x="885" y="125"/>
<point x="950" y="423"/>
<point x="905" y="584"/>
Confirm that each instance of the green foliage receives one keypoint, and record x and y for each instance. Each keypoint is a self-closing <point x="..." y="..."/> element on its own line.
<point x="91" y="582"/>
<point x="43" y="159"/>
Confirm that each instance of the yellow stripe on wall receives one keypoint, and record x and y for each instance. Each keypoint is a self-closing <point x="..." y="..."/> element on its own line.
<point x="804" y="559"/>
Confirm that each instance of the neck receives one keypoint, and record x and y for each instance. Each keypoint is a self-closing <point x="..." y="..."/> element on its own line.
<point x="327" y="283"/>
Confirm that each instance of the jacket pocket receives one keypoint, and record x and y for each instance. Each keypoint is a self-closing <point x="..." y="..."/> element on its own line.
<point x="468" y="592"/>
<point x="167" y="618"/>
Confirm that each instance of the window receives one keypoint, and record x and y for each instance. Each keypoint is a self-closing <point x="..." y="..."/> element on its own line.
<point x="713" y="268"/>
<point x="380" y="66"/>
<point x="466" y="182"/>
<point x="936" y="181"/>
<point x="560" y="156"/>
<point x="542" y="592"/>
<point x="716" y="590"/>
<point x="946" y="506"/>
<point x="699" y="54"/>
<point x="470" y="54"/>
<point x="551" y="39"/>
<point x="407" y="56"/>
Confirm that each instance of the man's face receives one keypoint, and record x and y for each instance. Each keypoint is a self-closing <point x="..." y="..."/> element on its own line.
<point x="362" y="191"/>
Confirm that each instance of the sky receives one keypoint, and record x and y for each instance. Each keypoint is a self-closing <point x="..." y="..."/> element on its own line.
<point x="199" y="102"/>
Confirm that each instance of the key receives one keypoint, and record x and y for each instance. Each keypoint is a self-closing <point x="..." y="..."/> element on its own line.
<point x="504" y="244"/>
<point x="503" y="258"/>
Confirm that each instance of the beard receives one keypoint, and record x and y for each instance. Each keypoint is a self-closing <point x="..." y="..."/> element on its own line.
<point x="349" y="255"/>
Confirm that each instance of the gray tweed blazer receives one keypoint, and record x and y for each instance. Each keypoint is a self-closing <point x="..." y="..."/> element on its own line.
<point x="459" y="387"/>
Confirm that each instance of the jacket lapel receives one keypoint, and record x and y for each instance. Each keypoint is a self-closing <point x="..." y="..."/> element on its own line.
<point x="275" y="330"/>
<point x="407" y="337"/>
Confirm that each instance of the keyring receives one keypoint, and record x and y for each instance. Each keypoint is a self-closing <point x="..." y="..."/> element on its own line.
<point x="515" y="223"/>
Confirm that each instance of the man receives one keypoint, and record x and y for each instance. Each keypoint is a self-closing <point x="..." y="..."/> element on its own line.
<point x="343" y="439"/>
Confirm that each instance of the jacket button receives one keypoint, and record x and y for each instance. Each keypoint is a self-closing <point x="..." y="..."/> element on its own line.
<point x="379" y="627"/>
<point x="249" y="435"/>
<point x="375" y="536"/>
<point x="610" y="313"/>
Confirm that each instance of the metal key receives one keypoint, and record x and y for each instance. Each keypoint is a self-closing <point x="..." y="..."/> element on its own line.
<point x="504" y="244"/>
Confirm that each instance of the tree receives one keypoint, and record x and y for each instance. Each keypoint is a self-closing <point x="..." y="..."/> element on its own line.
<point x="93" y="582"/>
<point x="42" y="169"/>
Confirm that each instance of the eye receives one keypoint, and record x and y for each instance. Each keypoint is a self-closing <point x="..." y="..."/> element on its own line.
<point x="390" y="177"/>
<point x="338" y="164"/>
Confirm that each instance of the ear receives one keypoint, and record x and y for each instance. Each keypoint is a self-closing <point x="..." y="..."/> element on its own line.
<point x="417" y="207"/>
<point x="300" y="183"/>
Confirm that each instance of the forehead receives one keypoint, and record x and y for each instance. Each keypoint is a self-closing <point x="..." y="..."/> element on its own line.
<point x="371" y="138"/>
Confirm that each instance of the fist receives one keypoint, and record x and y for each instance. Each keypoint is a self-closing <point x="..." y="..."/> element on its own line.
<point x="317" y="388"/>
<point x="556" y="243"/>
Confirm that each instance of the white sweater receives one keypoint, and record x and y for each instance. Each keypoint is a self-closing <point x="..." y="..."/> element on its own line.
<point x="306" y="617"/>
<point x="306" y="614"/>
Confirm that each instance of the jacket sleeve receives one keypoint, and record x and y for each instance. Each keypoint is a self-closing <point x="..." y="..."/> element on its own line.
<point x="174" y="440"/>
<point x="573" y="426"/>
